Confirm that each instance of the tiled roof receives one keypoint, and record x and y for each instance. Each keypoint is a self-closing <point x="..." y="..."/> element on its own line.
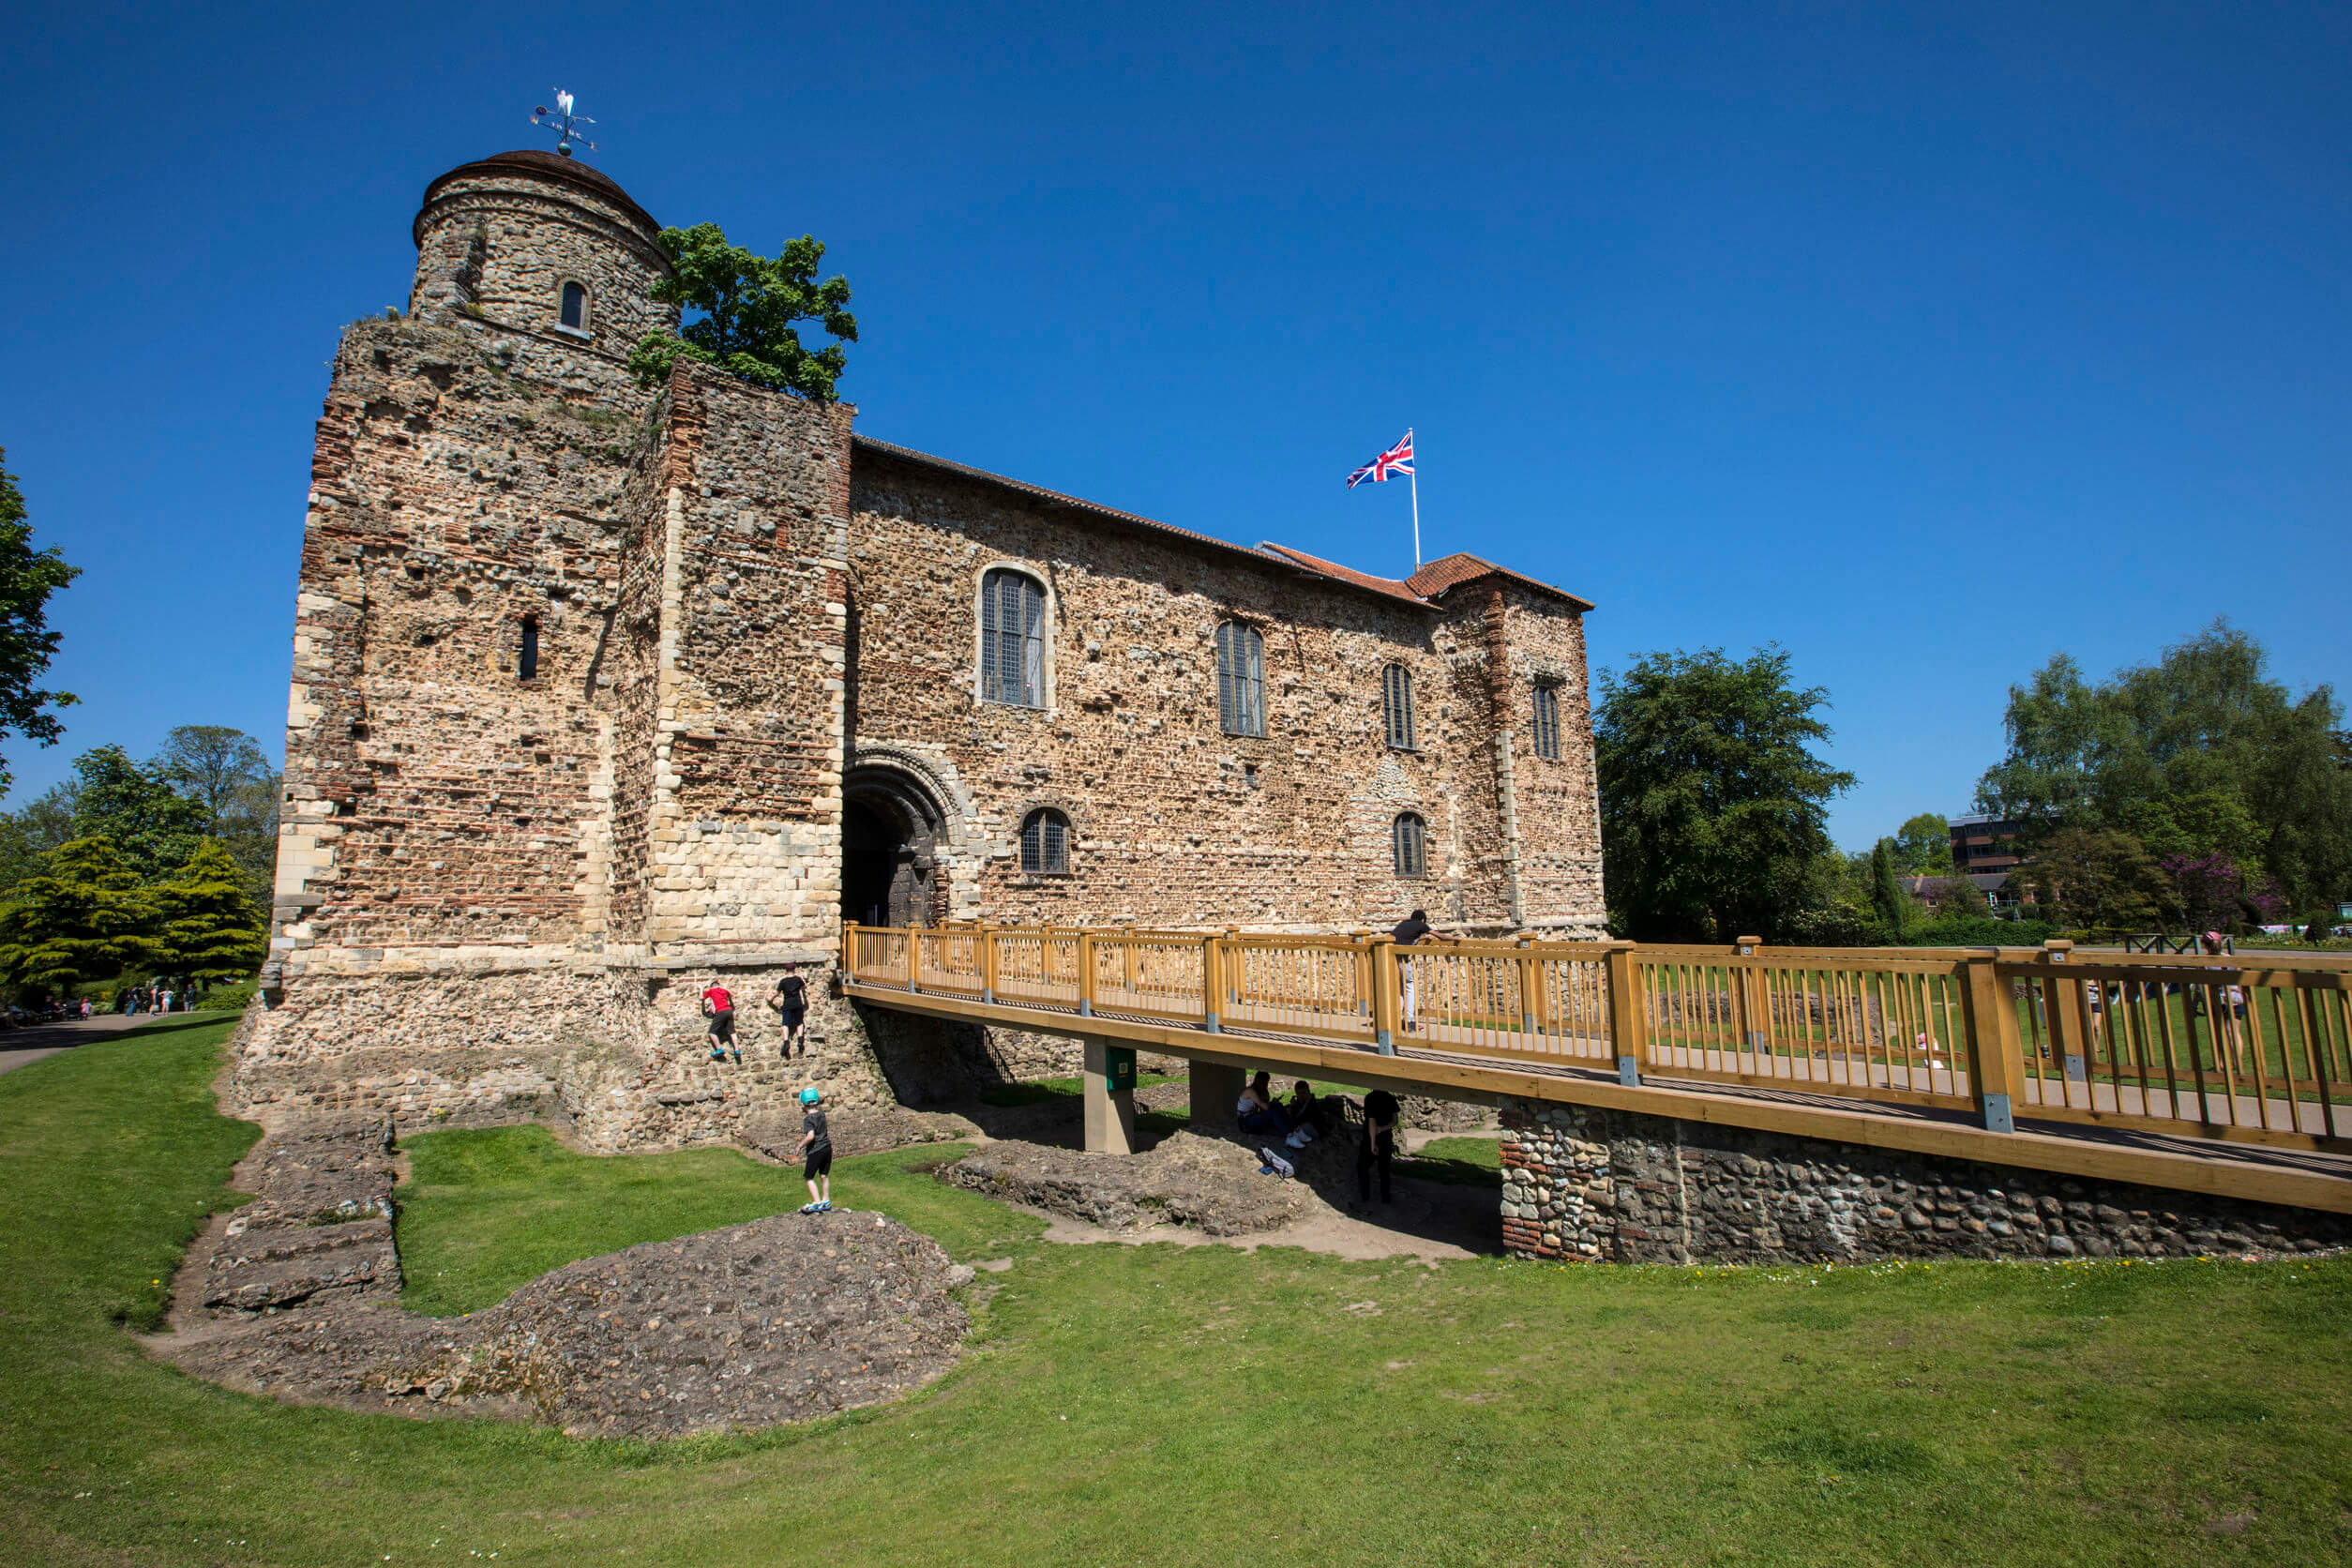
<point x="1434" y="578"/>
<point x="1423" y="589"/>
<point x="1387" y="585"/>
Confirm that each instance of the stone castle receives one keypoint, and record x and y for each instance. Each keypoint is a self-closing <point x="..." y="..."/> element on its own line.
<point x="598" y="691"/>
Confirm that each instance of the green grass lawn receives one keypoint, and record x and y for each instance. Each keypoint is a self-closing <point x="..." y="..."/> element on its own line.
<point x="1164" y="1405"/>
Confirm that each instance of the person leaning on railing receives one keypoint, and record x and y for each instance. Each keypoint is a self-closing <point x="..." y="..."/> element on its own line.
<point x="1411" y="931"/>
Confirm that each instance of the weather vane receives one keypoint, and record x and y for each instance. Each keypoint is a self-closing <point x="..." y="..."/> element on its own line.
<point x="563" y="123"/>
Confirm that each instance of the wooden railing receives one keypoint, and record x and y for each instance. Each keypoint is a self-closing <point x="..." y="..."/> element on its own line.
<point x="2250" y="1047"/>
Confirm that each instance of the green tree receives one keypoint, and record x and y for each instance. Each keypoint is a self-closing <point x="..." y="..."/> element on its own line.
<point x="85" y="918"/>
<point x="1713" y="807"/>
<point x="27" y="577"/>
<point x="2094" y="877"/>
<point x="2200" y="753"/>
<point x="225" y="773"/>
<point x="748" y="304"/>
<point x="1922" y="846"/>
<point x="209" y="927"/>
<point x="31" y="833"/>
<point x="152" y="826"/>
<point x="1888" y="895"/>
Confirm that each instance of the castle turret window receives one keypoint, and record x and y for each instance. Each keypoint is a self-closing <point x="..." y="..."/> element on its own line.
<point x="1241" y="679"/>
<point x="1547" y="722"/>
<point x="575" y="307"/>
<point x="1012" y="639"/>
<point x="527" y="653"/>
<point x="1396" y="705"/>
<point x="1408" y="844"/>
<point x="1045" y="843"/>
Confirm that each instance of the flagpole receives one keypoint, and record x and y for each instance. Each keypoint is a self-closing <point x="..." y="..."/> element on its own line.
<point x="1416" y="477"/>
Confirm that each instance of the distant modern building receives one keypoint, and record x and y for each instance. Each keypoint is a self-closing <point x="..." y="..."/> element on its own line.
<point x="1983" y="845"/>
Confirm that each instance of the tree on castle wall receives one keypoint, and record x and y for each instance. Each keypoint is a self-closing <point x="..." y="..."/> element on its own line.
<point x="27" y="577"/>
<point x="749" y="303"/>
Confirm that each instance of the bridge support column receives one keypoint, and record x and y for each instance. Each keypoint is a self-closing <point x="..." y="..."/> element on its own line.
<point x="1110" y="1097"/>
<point x="1214" y="1088"/>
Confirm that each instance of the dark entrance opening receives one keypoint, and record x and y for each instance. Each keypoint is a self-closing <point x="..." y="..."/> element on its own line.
<point x="890" y="833"/>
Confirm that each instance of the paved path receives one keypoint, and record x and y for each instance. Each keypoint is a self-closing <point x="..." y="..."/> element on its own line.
<point x="20" y="1046"/>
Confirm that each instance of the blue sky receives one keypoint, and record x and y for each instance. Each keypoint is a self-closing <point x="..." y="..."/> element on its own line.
<point x="1922" y="340"/>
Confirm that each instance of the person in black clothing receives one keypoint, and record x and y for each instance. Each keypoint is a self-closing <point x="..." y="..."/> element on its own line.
<point x="816" y="1147"/>
<point x="1378" y="1146"/>
<point x="791" y="1002"/>
<point x="1411" y="931"/>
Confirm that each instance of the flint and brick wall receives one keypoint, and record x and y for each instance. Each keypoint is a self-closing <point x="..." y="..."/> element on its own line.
<point x="1587" y="1185"/>
<point x="1175" y="822"/>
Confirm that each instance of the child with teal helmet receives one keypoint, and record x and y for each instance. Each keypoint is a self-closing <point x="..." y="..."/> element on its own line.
<point x="816" y="1147"/>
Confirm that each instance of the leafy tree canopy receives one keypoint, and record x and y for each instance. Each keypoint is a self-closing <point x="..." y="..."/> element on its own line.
<point x="2094" y="877"/>
<point x="27" y="577"/>
<point x="749" y="303"/>
<point x="1922" y="846"/>
<point x="2198" y="754"/>
<point x="209" y="928"/>
<point x="1714" y="806"/>
<point x="85" y="918"/>
<point x="152" y="826"/>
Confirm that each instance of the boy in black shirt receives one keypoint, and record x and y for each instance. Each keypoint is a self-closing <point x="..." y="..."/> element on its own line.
<point x="816" y="1147"/>
<point x="791" y="1002"/>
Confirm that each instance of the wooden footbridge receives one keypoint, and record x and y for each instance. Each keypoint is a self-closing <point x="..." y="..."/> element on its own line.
<point x="2229" y="1076"/>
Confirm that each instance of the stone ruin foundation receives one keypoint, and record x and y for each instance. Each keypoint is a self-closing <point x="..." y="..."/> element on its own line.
<point x="1583" y="1183"/>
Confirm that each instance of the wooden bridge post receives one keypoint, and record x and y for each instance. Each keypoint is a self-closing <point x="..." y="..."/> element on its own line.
<point x="1750" y="1009"/>
<point x="1386" y="996"/>
<point x="1628" y="1028"/>
<point x="1212" y="963"/>
<point x="1086" y="972"/>
<point x="2066" y="1004"/>
<point x="985" y="936"/>
<point x="1997" y="1067"/>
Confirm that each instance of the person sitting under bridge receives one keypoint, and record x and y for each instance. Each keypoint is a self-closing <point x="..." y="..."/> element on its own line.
<point x="1257" y="1112"/>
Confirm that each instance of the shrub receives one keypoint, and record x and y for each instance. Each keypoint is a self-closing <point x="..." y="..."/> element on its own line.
<point x="1983" y="931"/>
<point x="228" y="999"/>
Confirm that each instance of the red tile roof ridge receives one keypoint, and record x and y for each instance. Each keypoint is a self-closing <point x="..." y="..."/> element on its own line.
<point x="1388" y="585"/>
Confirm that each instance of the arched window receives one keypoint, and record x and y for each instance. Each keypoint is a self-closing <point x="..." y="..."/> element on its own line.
<point x="575" y="307"/>
<point x="1547" y="722"/>
<point x="1241" y="679"/>
<point x="527" y="655"/>
<point x="1012" y="639"/>
<point x="1045" y="843"/>
<point x="1396" y="705"/>
<point x="1408" y="842"/>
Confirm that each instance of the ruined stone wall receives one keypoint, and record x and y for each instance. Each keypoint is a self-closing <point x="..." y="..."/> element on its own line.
<point x="465" y="483"/>
<point x="1174" y="821"/>
<point x="745" y="831"/>
<point x="1617" y="1186"/>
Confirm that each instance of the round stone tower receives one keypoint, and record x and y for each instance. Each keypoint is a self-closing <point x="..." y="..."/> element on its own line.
<point x="542" y="243"/>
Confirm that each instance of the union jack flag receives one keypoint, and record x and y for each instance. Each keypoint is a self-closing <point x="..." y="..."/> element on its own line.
<point x="1396" y="459"/>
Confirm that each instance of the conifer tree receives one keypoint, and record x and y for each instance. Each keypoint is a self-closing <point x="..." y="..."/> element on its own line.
<point x="85" y="918"/>
<point x="210" y="930"/>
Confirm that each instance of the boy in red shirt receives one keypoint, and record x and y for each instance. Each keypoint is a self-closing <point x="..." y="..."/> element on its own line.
<point x="720" y="1006"/>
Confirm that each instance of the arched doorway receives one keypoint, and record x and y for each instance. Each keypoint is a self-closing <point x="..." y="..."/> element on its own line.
<point x="891" y="828"/>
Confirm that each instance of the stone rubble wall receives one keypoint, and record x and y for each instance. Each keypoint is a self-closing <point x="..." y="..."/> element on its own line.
<point x="1589" y="1185"/>
<point x="1174" y="822"/>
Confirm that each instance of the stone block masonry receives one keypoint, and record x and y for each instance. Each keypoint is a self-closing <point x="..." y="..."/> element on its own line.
<point x="1587" y="1185"/>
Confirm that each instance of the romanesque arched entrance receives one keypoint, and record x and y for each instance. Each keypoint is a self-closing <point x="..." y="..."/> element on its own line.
<point x="892" y="872"/>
